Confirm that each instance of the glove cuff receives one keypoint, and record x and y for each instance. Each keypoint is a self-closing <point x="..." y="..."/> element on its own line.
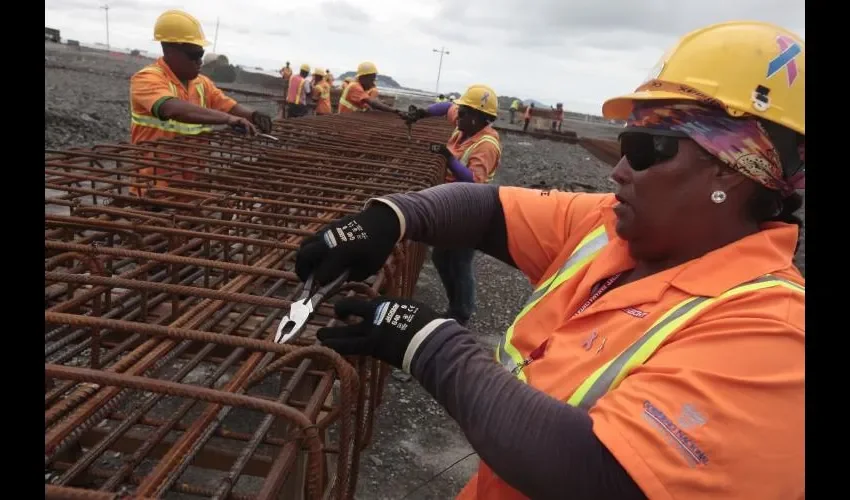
<point x="402" y="225"/>
<point x="418" y="339"/>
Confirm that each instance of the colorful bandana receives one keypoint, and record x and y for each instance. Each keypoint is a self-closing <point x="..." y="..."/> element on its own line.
<point x="740" y="143"/>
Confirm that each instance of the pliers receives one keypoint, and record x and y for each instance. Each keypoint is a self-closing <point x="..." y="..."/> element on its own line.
<point x="292" y="325"/>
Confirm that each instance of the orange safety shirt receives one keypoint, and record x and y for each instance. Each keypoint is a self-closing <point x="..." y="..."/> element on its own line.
<point x="480" y="153"/>
<point x="151" y="85"/>
<point x="559" y="115"/>
<point x="717" y="410"/>
<point x="528" y="113"/>
<point x="322" y="96"/>
<point x="354" y="98"/>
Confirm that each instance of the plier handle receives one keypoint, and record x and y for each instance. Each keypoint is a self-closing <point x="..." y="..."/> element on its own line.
<point x="292" y="325"/>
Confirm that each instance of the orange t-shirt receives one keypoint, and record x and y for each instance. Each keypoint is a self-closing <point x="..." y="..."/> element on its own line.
<point x="156" y="81"/>
<point x="718" y="411"/>
<point x="483" y="160"/>
<point x="322" y="96"/>
<point x="356" y="97"/>
<point x="527" y="115"/>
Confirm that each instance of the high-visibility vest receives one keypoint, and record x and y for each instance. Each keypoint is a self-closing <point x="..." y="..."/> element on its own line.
<point x="464" y="159"/>
<point x="296" y="86"/>
<point x="609" y="375"/>
<point x="170" y="125"/>
<point x="345" y="103"/>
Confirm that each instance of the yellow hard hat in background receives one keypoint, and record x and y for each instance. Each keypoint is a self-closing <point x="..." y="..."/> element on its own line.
<point x="305" y="67"/>
<point x="366" y="68"/>
<point x="176" y="26"/>
<point x="748" y="67"/>
<point x="481" y="98"/>
<point x="319" y="72"/>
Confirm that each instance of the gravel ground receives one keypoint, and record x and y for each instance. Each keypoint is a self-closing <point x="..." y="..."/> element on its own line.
<point x="86" y="103"/>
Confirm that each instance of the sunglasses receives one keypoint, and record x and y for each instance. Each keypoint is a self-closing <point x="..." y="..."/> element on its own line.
<point x="192" y="52"/>
<point x="643" y="149"/>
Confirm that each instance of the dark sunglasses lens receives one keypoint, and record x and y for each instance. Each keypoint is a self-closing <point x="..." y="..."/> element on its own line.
<point x="644" y="150"/>
<point x="194" y="54"/>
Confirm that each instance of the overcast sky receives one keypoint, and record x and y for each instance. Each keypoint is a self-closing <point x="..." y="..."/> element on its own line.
<point x="578" y="52"/>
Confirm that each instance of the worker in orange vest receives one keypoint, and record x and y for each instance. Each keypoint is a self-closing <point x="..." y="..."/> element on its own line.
<point x="321" y="94"/>
<point x="362" y="94"/>
<point x="286" y="74"/>
<point x="298" y="95"/>
<point x="662" y="353"/>
<point x="472" y="155"/>
<point x="170" y="97"/>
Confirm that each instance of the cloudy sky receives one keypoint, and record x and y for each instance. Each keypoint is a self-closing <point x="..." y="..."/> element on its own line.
<point x="578" y="52"/>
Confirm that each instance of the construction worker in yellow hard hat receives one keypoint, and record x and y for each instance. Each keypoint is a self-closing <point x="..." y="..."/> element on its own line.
<point x="286" y="74"/>
<point x="298" y="95"/>
<point x="170" y="97"/>
<point x="662" y="354"/>
<point x="472" y="154"/>
<point x="362" y="94"/>
<point x="321" y="94"/>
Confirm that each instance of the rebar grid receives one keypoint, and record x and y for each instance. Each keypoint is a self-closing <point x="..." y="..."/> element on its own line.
<point x="162" y="379"/>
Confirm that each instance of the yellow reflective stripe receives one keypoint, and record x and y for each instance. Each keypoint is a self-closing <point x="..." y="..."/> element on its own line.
<point x="609" y="375"/>
<point x="466" y="154"/>
<point x="343" y="100"/>
<point x="202" y="94"/>
<point x="587" y="249"/>
<point x="298" y="92"/>
<point x="169" y="125"/>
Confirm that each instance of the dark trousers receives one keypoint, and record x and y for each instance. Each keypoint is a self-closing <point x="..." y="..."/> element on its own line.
<point x="297" y="110"/>
<point x="525" y="127"/>
<point x="455" y="268"/>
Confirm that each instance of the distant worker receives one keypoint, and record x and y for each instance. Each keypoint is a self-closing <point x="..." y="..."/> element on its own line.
<point x="329" y="78"/>
<point x="662" y="354"/>
<point x="286" y="74"/>
<point x="514" y="109"/>
<point x="527" y="117"/>
<point x="170" y="97"/>
<point x="362" y="93"/>
<point x="558" y="117"/>
<point x="472" y="154"/>
<point x="441" y="98"/>
<point x="297" y="96"/>
<point x="321" y="94"/>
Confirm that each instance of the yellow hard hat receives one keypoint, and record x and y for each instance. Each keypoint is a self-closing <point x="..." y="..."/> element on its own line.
<point x="305" y="67"/>
<point x="319" y="72"/>
<point x="176" y="26"/>
<point x="748" y="67"/>
<point x="482" y="98"/>
<point x="366" y="68"/>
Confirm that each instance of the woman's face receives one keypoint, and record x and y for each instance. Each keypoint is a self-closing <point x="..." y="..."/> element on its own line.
<point x="663" y="198"/>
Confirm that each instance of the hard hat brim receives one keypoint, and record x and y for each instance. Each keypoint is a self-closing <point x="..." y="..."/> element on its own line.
<point x="619" y="108"/>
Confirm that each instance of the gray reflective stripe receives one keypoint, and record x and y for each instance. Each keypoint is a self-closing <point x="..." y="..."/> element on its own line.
<point x="505" y="359"/>
<point x="592" y="246"/>
<point x="603" y="384"/>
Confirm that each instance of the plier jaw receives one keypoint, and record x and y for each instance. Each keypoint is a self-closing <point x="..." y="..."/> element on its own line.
<point x="292" y="325"/>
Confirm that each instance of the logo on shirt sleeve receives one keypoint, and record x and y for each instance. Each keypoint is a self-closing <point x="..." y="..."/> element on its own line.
<point x="674" y="433"/>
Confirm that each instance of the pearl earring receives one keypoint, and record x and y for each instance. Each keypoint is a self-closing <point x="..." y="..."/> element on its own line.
<point x="718" y="197"/>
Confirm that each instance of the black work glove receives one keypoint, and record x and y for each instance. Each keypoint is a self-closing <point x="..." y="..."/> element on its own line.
<point x="359" y="243"/>
<point x="262" y="121"/>
<point x="442" y="150"/>
<point x="388" y="331"/>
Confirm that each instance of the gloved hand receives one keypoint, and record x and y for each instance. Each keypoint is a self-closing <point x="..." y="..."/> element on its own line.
<point x="242" y="125"/>
<point x="442" y="150"/>
<point x="388" y="331"/>
<point x="262" y="121"/>
<point x="360" y="243"/>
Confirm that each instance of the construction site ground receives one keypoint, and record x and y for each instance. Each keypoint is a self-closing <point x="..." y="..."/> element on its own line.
<point x="86" y="102"/>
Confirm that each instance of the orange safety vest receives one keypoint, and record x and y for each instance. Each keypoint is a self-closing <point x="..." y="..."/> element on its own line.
<point x="346" y="106"/>
<point x="611" y="371"/>
<point x="296" y="86"/>
<point x="323" y="104"/>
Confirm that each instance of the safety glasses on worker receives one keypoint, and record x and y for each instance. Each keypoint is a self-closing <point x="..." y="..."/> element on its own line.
<point x="644" y="149"/>
<point x="193" y="52"/>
